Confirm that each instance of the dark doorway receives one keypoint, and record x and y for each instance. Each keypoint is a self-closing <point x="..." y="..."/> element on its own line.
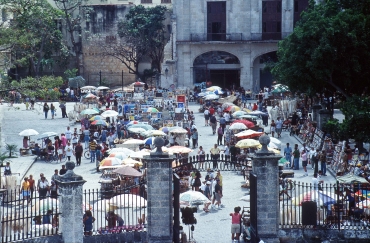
<point x="266" y="79"/>
<point x="216" y="21"/>
<point x="225" y="78"/>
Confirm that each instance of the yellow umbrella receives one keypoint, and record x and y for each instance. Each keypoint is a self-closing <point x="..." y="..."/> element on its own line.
<point x="131" y="162"/>
<point x="276" y="151"/>
<point x="247" y="143"/>
<point x="247" y="110"/>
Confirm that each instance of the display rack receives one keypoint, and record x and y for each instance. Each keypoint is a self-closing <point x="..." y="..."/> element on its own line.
<point x="337" y="158"/>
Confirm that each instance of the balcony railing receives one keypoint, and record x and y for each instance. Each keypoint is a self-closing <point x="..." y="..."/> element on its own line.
<point x="216" y="37"/>
<point x="266" y="36"/>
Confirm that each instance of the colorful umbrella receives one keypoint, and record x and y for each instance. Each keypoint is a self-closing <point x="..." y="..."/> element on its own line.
<point x="144" y="126"/>
<point x="247" y="143"/>
<point x="110" y="162"/>
<point x="248" y="134"/>
<point x="88" y="87"/>
<point x="239" y="113"/>
<point x="100" y="122"/>
<point x="211" y="97"/>
<point x="94" y="118"/>
<point x="118" y="155"/>
<point x="179" y="130"/>
<point x="363" y="193"/>
<point x="218" y="92"/>
<point x="131" y="162"/>
<point x="149" y="141"/>
<point x="90" y="96"/>
<point x="152" y="110"/>
<point x="249" y="124"/>
<point x="214" y="88"/>
<point x="179" y="149"/>
<point x="89" y="112"/>
<point x="132" y="123"/>
<point x="257" y="113"/>
<point x="128" y="171"/>
<point x="232" y="108"/>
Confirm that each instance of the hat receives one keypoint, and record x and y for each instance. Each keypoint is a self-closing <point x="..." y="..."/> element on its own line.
<point x="209" y="183"/>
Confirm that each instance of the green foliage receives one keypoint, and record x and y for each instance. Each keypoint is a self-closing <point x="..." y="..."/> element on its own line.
<point x="356" y="110"/>
<point x="71" y="73"/>
<point x="32" y="36"/>
<point x="11" y="148"/>
<point x="43" y="87"/>
<point x="332" y="127"/>
<point x="328" y="49"/>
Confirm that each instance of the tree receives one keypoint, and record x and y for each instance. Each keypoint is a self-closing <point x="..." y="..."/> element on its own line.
<point x="72" y="17"/>
<point x="142" y="34"/>
<point x="43" y="87"/>
<point x="32" y="36"/>
<point x="328" y="49"/>
<point x="356" y="110"/>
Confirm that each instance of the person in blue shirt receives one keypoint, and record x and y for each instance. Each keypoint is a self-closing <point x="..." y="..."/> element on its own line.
<point x="288" y="154"/>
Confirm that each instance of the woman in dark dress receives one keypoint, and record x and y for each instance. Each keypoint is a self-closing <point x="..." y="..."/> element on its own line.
<point x="88" y="221"/>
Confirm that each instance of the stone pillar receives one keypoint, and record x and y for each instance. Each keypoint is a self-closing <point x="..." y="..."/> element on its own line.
<point x="315" y="110"/>
<point x="266" y="168"/>
<point x="159" y="181"/>
<point x="323" y="117"/>
<point x="70" y="202"/>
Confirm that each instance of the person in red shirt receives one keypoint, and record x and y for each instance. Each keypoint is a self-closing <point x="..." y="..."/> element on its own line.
<point x="254" y="107"/>
<point x="211" y="111"/>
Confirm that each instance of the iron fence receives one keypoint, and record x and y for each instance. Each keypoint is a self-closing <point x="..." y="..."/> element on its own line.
<point x="331" y="206"/>
<point x="28" y="217"/>
<point x="117" y="210"/>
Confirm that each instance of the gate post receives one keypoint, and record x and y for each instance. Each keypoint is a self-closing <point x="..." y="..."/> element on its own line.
<point x="70" y="203"/>
<point x="2" y="192"/>
<point x="159" y="179"/>
<point x="266" y="169"/>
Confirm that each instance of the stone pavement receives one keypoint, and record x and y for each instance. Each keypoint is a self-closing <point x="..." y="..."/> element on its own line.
<point x="211" y="227"/>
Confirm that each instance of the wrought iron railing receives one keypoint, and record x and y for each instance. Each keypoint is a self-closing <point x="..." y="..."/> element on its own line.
<point x="216" y="37"/>
<point x="25" y="217"/>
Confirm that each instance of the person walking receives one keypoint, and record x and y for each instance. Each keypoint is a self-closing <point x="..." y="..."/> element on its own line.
<point x="279" y="127"/>
<point x="272" y="128"/>
<point x="220" y="135"/>
<point x="310" y="154"/>
<point x="206" y="116"/>
<point x="52" y="110"/>
<point x="62" y="107"/>
<point x="304" y="162"/>
<point x="92" y="148"/>
<point x="213" y="122"/>
<point x="215" y="154"/>
<point x="288" y="155"/>
<point x="235" y="224"/>
<point x="322" y="157"/>
<point x="31" y="182"/>
<point x="296" y="155"/>
<point x="46" y="110"/>
<point x="69" y="151"/>
<point x="194" y="137"/>
<point x="201" y="157"/>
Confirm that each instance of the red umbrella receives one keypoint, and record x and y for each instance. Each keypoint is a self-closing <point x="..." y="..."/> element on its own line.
<point x="249" y="124"/>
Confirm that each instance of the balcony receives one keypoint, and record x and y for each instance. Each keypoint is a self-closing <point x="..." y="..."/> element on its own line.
<point x="216" y="37"/>
<point x="230" y="37"/>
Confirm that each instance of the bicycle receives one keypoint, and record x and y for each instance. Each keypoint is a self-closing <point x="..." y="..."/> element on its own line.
<point x="87" y="154"/>
<point x="55" y="157"/>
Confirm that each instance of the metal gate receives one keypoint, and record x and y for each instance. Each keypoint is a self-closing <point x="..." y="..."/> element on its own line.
<point x="253" y="205"/>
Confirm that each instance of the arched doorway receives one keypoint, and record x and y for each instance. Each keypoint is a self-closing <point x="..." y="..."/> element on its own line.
<point x="263" y="76"/>
<point x="219" y="67"/>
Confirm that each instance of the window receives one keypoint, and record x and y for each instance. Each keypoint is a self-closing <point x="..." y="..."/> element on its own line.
<point x="146" y="1"/>
<point x="278" y="7"/>
<point x="278" y="26"/>
<point x="296" y="6"/>
<point x="264" y="27"/>
<point x="264" y="7"/>
<point x="165" y="1"/>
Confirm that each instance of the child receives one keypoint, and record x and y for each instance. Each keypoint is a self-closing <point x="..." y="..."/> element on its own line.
<point x="235" y="224"/>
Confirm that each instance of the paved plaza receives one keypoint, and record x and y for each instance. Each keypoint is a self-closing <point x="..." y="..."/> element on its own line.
<point x="211" y="227"/>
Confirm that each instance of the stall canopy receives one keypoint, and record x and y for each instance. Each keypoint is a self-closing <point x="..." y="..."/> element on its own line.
<point x="349" y="179"/>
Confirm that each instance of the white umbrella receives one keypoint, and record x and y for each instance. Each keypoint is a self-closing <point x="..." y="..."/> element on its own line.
<point x="136" y="130"/>
<point x="89" y="112"/>
<point x="134" y="141"/>
<point x="140" y="154"/>
<point x="238" y="126"/>
<point x="47" y="134"/>
<point x="150" y="133"/>
<point x="257" y="113"/>
<point x="120" y="150"/>
<point x="127" y="201"/>
<point x="88" y="87"/>
<point x="179" y="130"/>
<point x="102" y="88"/>
<point x="28" y="132"/>
<point x="275" y="141"/>
<point x="211" y="97"/>
<point x="109" y="113"/>
<point x="193" y="198"/>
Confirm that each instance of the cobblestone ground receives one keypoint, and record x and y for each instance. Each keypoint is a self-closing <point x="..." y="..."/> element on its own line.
<point x="211" y="227"/>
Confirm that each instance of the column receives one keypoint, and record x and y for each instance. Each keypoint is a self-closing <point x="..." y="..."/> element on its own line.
<point x="323" y="116"/>
<point x="2" y="191"/>
<point x="265" y="167"/>
<point x="315" y="110"/>
<point x="159" y="181"/>
<point x="70" y="188"/>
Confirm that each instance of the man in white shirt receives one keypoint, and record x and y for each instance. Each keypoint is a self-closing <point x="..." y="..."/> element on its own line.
<point x="68" y="134"/>
<point x="206" y="116"/>
<point x="227" y="118"/>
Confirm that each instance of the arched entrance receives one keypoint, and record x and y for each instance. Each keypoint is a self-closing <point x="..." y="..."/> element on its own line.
<point x="263" y="76"/>
<point x="219" y="67"/>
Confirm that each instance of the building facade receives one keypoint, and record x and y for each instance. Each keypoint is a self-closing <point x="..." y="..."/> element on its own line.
<point x="227" y="42"/>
